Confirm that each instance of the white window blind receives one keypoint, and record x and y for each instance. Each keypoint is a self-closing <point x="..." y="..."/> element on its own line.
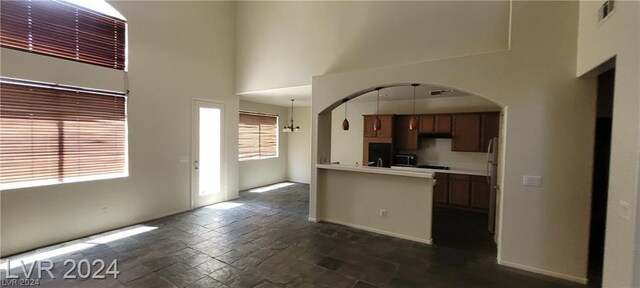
<point x="257" y="136"/>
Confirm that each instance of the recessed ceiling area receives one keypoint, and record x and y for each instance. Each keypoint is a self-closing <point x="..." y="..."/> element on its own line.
<point x="405" y="92"/>
<point x="280" y="96"/>
<point x="302" y="94"/>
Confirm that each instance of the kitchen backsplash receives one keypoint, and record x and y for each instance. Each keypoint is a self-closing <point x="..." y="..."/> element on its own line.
<point x="438" y="152"/>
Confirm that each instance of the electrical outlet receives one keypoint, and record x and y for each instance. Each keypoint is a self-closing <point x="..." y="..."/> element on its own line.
<point x="383" y="213"/>
<point x="535" y="181"/>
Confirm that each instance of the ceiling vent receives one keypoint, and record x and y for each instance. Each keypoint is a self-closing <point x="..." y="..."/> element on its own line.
<point x="606" y="9"/>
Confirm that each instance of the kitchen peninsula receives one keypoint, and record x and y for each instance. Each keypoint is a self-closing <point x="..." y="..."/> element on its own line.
<point x="394" y="202"/>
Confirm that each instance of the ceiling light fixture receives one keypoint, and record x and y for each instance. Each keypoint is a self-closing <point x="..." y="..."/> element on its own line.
<point x="345" y="123"/>
<point x="413" y="122"/>
<point x="291" y="127"/>
<point x="377" y="125"/>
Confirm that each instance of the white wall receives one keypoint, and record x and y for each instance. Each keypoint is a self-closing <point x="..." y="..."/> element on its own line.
<point x="284" y="44"/>
<point x="165" y="74"/>
<point x="346" y="146"/>
<point x="255" y="173"/>
<point x="299" y="164"/>
<point x="619" y="36"/>
<point x="549" y="131"/>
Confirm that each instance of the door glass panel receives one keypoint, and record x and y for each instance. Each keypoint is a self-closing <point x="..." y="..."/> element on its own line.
<point x="209" y="151"/>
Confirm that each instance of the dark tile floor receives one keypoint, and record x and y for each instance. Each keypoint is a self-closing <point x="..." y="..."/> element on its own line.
<point x="265" y="240"/>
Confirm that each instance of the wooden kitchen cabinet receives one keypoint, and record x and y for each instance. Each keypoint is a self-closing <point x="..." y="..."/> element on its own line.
<point x="386" y="129"/>
<point x="426" y="124"/>
<point x="442" y="124"/>
<point x="490" y="128"/>
<point x="480" y="192"/>
<point x="459" y="190"/>
<point x="462" y="191"/>
<point x="466" y="132"/>
<point x="441" y="189"/>
<point x="405" y="139"/>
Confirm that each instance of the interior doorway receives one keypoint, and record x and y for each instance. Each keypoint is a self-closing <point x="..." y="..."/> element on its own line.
<point x="600" y="181"/>
<point x="208" y="173"/>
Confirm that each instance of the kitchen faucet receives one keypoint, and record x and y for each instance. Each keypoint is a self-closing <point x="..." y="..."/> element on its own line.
<point x="379" y="163"/>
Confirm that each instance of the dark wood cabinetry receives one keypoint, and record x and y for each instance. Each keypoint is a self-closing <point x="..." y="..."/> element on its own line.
<point x="435" y="124"/>
<point x="405" y="139"/>
<point x="480" y="192"/>
<point x="442" y="124"/>
<point x="427" y="123"/>
<point x="473" y="131"/>
<point x="384" y="135"/>
<point x="490" y="128"/>
<point x="441" y="189"/>
<point x="461" y="191"/>
<point x="466" y="132"/>
<point x="386" y="128"/>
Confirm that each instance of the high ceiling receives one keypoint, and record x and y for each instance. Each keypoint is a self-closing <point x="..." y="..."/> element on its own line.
<point x="302" y="95"/>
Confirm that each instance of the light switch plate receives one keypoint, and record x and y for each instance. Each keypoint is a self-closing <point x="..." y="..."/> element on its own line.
<point x="535" y="181"/>
<point x="184" y="159"/>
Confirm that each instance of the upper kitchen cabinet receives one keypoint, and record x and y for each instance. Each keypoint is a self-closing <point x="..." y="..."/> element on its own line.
<point x="473" y="131"/>
<point x="386" y="128"/>
<point x="490" y="128"/>
<point x="405" y="139"/>
<point x="427" y="123"/>
<point x="435" y="124"/>
<point x="443" y="124"/>
<point x="466" y="132"/>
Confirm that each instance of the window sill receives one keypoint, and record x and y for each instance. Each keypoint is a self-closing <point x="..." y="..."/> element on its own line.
<point x="51" y="182"/>
<point x="256" y="159"/>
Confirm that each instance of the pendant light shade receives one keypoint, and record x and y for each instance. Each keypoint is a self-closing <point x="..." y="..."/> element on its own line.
<point x="345" y="122"/>
<point x="413" y="122"/>
<point x="377" y="125"/>
<point x="291" y="127"/>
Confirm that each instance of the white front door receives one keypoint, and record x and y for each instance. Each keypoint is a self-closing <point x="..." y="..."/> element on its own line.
<point x="208" y="183"/>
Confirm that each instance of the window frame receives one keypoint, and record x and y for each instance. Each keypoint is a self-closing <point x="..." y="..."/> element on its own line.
<point x="277" y="135"/>
<point x="73" y="179"/>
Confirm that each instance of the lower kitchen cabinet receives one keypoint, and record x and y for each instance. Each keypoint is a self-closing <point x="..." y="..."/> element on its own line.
<point x="461" y="191"/>
<point x="480" y="192"/>
<point x="441" y="189"/>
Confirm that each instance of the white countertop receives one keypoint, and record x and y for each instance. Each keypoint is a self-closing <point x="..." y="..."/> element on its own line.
<point x="451" y="171"/>
<point x="410" y="172"/>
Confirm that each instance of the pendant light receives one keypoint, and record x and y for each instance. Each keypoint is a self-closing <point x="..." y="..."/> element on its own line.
<point x="345" y="123"/>
<point x="377" y="125"/>
<point x="413" y="122"/>
<point x="291" y="127"/>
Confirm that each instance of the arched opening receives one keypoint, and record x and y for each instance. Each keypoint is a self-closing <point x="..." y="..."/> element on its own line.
<point x="456" y="137"/>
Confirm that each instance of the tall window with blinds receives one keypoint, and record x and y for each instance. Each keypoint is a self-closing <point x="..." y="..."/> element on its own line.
<point x="257" y="136"/>
<point x="59" y="134"/>
<point x="61" y="29"/>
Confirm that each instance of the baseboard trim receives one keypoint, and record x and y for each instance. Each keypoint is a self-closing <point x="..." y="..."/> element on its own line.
<point x="314" y="220"/>
<point x="543" y="272"/>
<point x="378" y="231"/>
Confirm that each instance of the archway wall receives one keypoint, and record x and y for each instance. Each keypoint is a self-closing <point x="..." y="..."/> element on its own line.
<point x="549" y="132"/>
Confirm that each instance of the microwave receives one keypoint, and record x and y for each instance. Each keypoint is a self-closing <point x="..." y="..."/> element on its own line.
<point x="406" y="160"/>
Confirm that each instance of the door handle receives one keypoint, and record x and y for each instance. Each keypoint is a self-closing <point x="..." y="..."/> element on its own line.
<point x="196" y="165"/>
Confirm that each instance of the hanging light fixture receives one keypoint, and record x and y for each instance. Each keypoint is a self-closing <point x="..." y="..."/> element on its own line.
<point x="377" y="125"/>
<point x="413" y="122"/>
<point x="345" y="123"/>
<point x="291" y="127"/>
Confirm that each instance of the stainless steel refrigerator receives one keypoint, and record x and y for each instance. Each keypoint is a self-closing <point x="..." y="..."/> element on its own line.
<point x="492" y="180"/>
